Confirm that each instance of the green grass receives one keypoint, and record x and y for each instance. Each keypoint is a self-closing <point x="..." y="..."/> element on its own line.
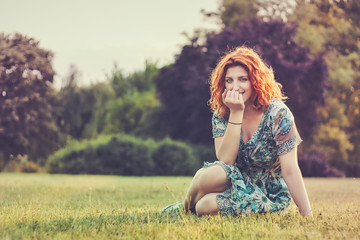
<point x="41" y="206"/>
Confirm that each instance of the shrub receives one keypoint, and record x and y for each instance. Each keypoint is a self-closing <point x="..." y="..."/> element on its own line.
<point x="71" y="158"/>
<point x="120" y="154"/>
<point x="124" y="155"/>
<point x="205" y="153"/>
<point x="174" y="158"/>
<point x="20" y="163"/>
<point x="314" y="164"/>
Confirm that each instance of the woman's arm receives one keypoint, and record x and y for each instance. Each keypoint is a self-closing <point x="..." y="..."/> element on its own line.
<point x="292" y="175"/>
<point x="227" y="147"/>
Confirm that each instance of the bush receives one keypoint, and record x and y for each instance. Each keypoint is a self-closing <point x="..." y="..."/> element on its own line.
<point x="314" y="164"/>
<point x="70" y="158"/>
<point x="120" y="154"/>
<point x="20" y="163"/>
<point x="174" y="158"/>
<point x="205" y="153"/>
<point x="124" y="155"/>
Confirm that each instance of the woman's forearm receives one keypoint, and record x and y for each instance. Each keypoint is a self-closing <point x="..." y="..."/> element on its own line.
<point x="229" y="147"/>
<point x="297" y="189"/>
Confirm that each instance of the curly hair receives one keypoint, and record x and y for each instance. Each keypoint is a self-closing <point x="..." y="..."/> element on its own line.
<point x="261" y="76"/>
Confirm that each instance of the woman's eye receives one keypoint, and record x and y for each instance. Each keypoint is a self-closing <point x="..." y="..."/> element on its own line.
<point x="229" y="80"/>
<point x="244" y="79"/>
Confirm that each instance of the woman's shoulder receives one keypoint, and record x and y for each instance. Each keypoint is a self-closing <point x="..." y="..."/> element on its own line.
<point x="216" y="115"/>
<point x="278" y="109"/>
<point x="218" y="125"/>
<point x="274" y="102"/>
<point x="276" y="105"/>
<point x="217" y="118"/>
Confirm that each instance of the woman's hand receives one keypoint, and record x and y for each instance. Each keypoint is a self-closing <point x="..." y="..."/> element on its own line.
<point x="233" y="100"/>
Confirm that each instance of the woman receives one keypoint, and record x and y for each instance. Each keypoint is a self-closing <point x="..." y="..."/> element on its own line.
<point x="255" y="142"/>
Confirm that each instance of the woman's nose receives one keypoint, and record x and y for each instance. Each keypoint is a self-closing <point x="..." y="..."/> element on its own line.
<point x="236" y="86"/>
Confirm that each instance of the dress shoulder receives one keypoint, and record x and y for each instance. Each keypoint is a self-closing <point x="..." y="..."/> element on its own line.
<point x="283" y="126"/>
<point x="219" y="125"/>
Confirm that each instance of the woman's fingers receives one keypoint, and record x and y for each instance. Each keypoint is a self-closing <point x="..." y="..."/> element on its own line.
<point x="233" y="99"/>
<point x="232" y="96"/>
<point x="229" y="94"/>
<point x="236" y="96"/>
<point x="240" y="98"/>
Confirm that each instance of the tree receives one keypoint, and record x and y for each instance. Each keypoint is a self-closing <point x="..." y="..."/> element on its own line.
<point x="26" y="76"/>
<point x="234" y="12"/>
<point x="81" y="110"/>
<point x="138" y="81"/>
<point x="231" y="13"/>
<point x="184" y="91"/>
<point x="134" y="114"/>
<point x="333" y="27"/>
<point x="136" y="109"/>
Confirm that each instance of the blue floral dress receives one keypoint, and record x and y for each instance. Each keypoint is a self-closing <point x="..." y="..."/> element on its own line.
<point x="256" y="182"/>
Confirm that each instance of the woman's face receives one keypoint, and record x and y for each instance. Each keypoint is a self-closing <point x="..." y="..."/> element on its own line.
<point x="237" y="79"/>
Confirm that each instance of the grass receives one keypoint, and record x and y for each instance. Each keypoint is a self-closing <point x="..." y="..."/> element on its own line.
<point x="42" y="206"/>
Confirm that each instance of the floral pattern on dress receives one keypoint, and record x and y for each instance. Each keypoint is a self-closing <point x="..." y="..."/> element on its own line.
<point x="256" y="182"/>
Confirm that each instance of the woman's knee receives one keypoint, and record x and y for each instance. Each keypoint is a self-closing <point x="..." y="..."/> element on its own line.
<point x="198" y="173"/>
<point x="207" y="205"/>
<point x="212" y="178"/>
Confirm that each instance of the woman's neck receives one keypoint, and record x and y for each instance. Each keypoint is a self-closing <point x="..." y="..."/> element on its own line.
<point x="250" y="110"/>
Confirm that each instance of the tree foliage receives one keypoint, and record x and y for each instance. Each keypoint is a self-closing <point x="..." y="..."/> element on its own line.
<point x="183" y="90"/>
<point x="81" y="110"/>
<point x="26" y="97"/>
<point x="138" y="81"/>
<point x="234" y="12"/>
<point x="133" y="114"/>
<point x="333" y="27"/>
<point x="231" y="13"/>
<point x="136" y="109"/>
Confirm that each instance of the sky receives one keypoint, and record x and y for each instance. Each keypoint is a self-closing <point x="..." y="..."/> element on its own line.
<point x="95" y="34"/>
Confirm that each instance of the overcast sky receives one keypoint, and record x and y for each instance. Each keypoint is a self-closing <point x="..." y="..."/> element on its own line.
<point x="93" y="34"/>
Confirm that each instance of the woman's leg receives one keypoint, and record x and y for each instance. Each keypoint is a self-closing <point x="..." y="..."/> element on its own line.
<point x="207" y="205"/>
<point x="210" y="179"/>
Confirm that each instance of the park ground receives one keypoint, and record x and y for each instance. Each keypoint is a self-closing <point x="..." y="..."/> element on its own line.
<point x="44" y="206"/>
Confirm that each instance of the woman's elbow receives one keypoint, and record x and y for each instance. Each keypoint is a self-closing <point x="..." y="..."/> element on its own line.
<point x="228" y="160"/>
<point x="291" y="171"/>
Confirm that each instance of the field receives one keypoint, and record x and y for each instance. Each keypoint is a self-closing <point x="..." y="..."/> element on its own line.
<point x="42" y="206"/>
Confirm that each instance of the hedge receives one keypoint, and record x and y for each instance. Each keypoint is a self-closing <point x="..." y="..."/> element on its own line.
<point x="125" y="155"/>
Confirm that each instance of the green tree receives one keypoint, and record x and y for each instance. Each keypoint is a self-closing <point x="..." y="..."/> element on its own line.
<point x="138" y="81"/>
<point x="26" y="96"/>
<point x="133" y="114"/>
<point x="331" y="135"/>
<point x="136" y="109"/>
<point x="81" y="110"/>
<point x="231" y="13"/>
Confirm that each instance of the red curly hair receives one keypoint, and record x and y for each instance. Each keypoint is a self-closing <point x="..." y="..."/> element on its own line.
<point x="261" y="76"/>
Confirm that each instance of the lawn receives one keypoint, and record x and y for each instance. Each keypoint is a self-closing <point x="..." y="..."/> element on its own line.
<point x="42" y="206"/>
